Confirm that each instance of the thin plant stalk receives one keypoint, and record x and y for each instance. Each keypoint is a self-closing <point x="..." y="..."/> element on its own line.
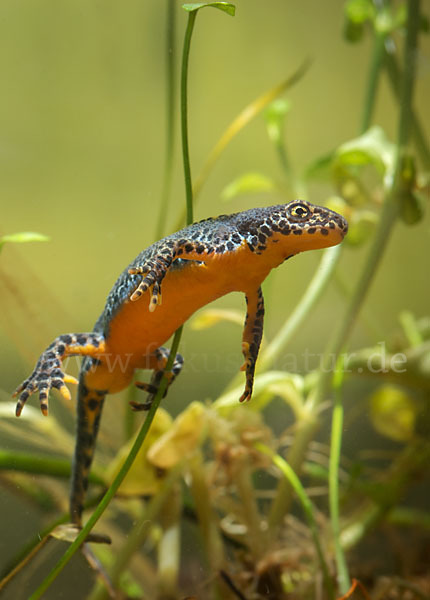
<point x="40" y="465"/>
<point x="308" y="510"/>
<point x="170" y="117"/>
<point x="206" y="517"/>
<point x="256" y="538"/>
<point x="184" y="117"/>
<point x="343" y="579"/>
<point x="18" y="562"/>
<point x="417" y="132"/>
<point x="374" y="77"/>
<point x="31" y="554"/>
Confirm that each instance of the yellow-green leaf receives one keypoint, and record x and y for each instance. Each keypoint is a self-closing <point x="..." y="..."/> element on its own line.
<point x="393" y="413"/>
<point x="212" y="316"/>
<point x="143" y="477"/>
<point x="182" y="438"/>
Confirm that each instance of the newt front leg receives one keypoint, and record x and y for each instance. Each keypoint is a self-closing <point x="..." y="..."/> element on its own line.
<point x="48" y="372"/>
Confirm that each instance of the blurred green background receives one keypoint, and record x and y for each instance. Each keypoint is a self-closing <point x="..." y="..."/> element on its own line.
<point x="82" y="142"/>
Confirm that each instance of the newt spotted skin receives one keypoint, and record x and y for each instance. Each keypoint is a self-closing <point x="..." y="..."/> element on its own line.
<point x="157" y="293"/>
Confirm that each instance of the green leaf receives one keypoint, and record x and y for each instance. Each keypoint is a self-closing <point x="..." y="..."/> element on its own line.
<point x="143" y="477"/>
<point x="373" y="147"/>
<point x="183" y="437"/>
<point x="227" y="7"/>
<point x="246" y="184"/>
<point x="359" y="11"/>
<point x="24" y="236"/>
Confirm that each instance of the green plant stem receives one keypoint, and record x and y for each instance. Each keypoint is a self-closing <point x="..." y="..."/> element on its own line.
<point x="184" y="116"/>
<point x="388" y="218"/>
<point x="170" y="117"/>
<point x="17" y="563"/>
<point x="255" y="537"/>
<point x="308" y="510"/>
<point x="207" y="521"/>
<point x="372" y="85"/>
<point x="40" y="465"/>
<point x="31" y="554"/>
<point x="343" y="579"/>
<point x="117" y="481"/>
<point x="417" y="132"/>
<point x="305" y="432"/>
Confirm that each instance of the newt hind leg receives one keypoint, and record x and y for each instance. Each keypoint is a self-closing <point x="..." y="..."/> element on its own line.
<point x="158" y="362"/>
<point x="48" y="372"/>
<point x="252" y="334"/>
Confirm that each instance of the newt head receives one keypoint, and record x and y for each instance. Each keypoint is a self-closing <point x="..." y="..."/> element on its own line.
<point x="314" y="226"/>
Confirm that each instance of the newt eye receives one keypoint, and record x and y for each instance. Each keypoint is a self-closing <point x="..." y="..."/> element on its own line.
<point x="299" y="211"/>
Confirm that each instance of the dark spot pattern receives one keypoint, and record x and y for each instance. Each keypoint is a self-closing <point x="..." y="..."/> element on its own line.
<point x="253" y="230"/>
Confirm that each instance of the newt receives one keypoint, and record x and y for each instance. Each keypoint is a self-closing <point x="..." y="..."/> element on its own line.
<point x="157" y="293"/>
